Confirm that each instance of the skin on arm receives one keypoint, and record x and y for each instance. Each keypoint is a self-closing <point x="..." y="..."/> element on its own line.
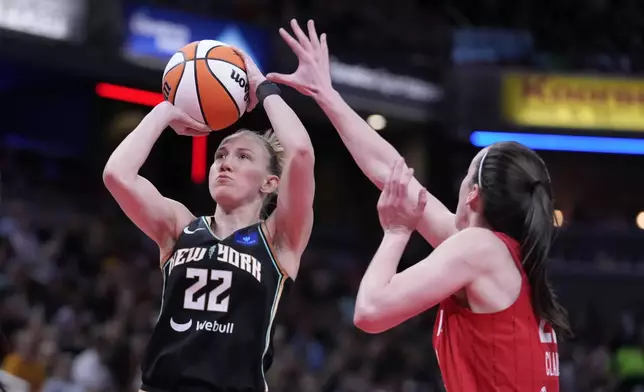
<point x="373" y="154"/>
<point x="386" y="298"/>
<point x="158" y="217"/>
<point x="292" y="221"/>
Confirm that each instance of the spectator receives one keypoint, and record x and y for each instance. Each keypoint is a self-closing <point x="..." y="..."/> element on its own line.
<point x="24" y="362"/>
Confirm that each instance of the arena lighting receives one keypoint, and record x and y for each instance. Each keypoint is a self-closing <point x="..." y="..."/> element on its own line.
<point x="559" y="218"/>
<point x="639" y="220"/>
<point x="198" y="168"/>
<point x="128" y="94"/>
<point x="377" y="122"/>
<point x="610" y="145"/>
<point x="149" y="98"/>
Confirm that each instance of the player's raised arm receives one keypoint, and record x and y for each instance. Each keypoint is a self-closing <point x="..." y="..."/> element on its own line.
<point x="373" y="154"/>
<point x="158" y="217"/>
<point x="386" y="298"/>
<point x="292" y="221"/>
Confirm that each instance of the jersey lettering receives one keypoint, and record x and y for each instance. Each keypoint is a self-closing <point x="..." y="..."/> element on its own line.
<point x="552" y="364"/>
<point x="225" y="254"/>
<point x="546" y="337"/>
<point x="248" y="263"/>
<point x="183" y="256"/>
<point x="552" y="357"/>
<point x="216" y="303"/>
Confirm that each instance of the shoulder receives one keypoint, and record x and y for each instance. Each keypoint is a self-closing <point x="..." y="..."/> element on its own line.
<point x="481" y="246"/>
<point x="281" y="239"/>
<point x="182" y="217"/>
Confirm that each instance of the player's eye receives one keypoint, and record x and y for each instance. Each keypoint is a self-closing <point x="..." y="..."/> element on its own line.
<point x="220" y="155"/>
<point x="244" y="156"/>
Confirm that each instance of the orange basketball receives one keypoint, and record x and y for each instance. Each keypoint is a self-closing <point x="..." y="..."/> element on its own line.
<point x="207" y="80"/>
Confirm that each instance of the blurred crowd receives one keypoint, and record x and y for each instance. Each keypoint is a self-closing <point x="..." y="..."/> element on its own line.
<point x="80" y="290"/>
<point x="597" y="35"/>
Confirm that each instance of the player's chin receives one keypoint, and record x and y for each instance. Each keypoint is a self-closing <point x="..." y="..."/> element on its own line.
<point x="225" y="194"/>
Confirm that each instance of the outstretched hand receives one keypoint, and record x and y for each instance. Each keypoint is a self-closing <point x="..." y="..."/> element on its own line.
<point x="397" y="212"/>
<point x="312" y="74"/>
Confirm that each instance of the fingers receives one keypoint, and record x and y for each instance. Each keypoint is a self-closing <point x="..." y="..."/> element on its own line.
<point x="194" y="132"/>
<point x="251" y="105"/>
<point x="397" y="184"/>
<point x="280" y="78"/>
<point x="386" y="195"/>
<point x="247" y="59"/>
<point x="196" y="126"/>
<point x="422" y="201"/>
<point x="292" y="43"/>
<point x="313" y="35"/>
<point x="399" y="180"/>
<point x="301" y="37"/>
<point x="403" y="184"/>
<point x="240" y="52"/>
<point x="324" y="49"/>
<point x="389" y="184"/>
<point x="397" y="173"/>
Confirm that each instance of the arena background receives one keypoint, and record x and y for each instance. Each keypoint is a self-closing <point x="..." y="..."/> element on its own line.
<point x="79" y="286"/>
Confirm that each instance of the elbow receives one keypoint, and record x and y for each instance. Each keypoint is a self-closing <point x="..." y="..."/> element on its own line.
<point x="109" y="176"/>
<point x="112" y="178"/>
<point x="303" y="156"/>
<point x="365" y="318"/>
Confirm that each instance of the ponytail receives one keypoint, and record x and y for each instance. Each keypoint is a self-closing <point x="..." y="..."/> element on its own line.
<point x="517" y="200"/>
<point x="535" y="246"/>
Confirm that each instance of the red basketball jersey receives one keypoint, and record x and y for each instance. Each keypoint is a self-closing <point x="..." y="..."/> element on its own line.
<point x="507" y="351"/>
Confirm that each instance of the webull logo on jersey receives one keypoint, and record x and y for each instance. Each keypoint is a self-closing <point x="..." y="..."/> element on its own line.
<point x="209" y="326"/>
<point x="214" y="326"/>
<point x="224" y="254"/>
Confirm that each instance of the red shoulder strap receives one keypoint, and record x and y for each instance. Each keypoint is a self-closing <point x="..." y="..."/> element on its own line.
<point x="514" y="247"/>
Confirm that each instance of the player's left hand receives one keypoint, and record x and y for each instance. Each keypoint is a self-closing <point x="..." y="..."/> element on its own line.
<point x="255" y="77"/>
<point x="397" y="212"/>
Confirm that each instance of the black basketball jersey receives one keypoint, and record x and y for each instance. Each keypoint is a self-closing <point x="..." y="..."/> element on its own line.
<point x="219" y="301"/>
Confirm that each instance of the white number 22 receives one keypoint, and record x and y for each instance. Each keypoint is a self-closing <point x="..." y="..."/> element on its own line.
<point x="215" y="303"/>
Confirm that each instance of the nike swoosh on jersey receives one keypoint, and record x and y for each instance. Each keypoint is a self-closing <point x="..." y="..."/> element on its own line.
<point x="180" y="327"/>
<point x="192" y="232"/>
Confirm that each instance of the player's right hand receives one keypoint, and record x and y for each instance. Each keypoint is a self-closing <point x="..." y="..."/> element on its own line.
<point x="181" y="122"/>
<point x="312" y="75"/>
<point x="397" y="212"/>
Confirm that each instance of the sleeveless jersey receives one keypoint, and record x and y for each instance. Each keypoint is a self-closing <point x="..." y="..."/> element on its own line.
<point x="219" y="301"/>
<point x="507" y="351"/>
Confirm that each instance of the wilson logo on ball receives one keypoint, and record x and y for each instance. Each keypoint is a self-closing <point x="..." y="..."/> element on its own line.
<point x="239" y="79"/>
<point x="166" y="90"/>
<point x="234" y="75"/>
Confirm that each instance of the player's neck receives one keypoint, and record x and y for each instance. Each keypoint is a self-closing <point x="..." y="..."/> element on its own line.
<point x="229" y="220"/>
<point x="477" y="220"/>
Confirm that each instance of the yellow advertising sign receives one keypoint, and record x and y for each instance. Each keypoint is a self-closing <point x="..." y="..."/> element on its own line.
<point x="582" y="102"/>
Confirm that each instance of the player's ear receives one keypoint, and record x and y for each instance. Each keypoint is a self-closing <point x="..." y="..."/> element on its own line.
<point x="270" y="185"/>
<point x="473" y="197"/>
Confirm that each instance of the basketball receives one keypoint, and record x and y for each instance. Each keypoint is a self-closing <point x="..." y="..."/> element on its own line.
<point x="207" y="80"/>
